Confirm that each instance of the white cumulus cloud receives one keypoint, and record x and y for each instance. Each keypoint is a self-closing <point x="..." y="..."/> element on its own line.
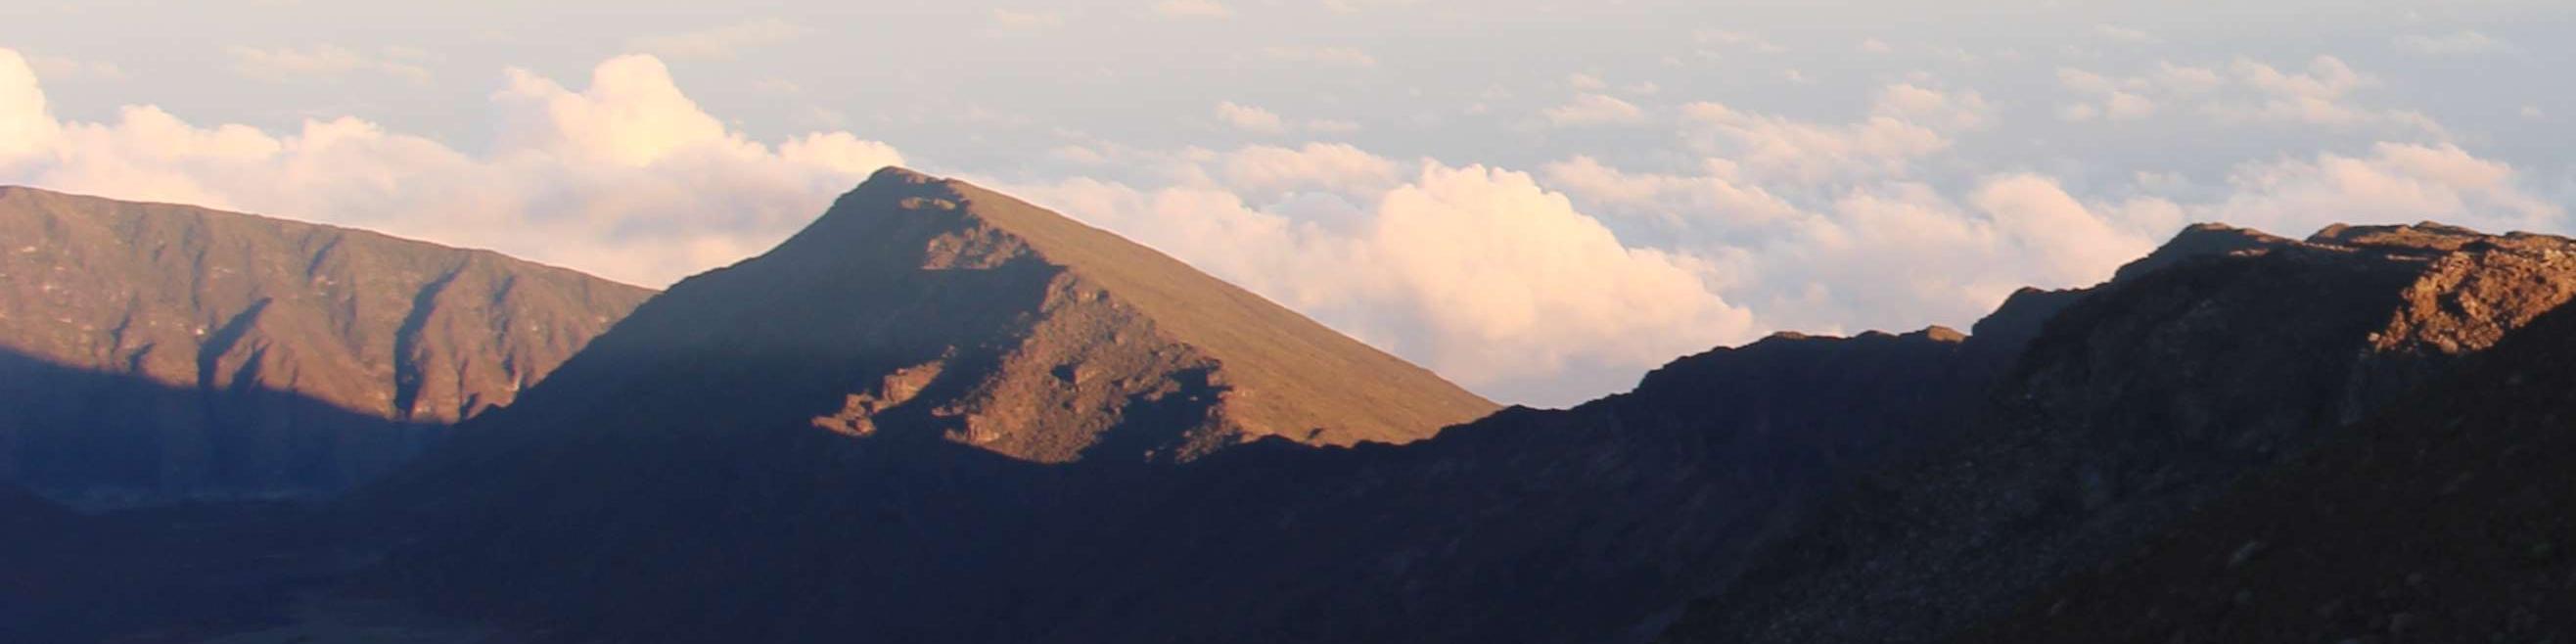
<point x="1781" y="148"/>
<point x="626" y="178"/>
<point x="2394" y="183"/>
<point x="1477" y="272"/>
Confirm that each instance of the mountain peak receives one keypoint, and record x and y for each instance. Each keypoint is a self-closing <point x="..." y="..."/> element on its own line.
<point x="929" y="307"/>
<point x="2197" y="240"/>
<point x="252" y="355"/>
<point x="896" y="174"/>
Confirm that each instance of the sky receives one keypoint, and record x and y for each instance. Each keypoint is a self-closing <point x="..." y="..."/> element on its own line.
<point x="1539" y="200"/>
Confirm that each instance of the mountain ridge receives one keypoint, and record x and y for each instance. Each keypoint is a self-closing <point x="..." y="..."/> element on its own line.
<point x="2443" y="518"/>
<point x="941" y="413"/>
<point x="2139" y="402"/>
<point x="1172" y="294"/>
<point x="893" y="413"/>
<point x="208" y="352"/>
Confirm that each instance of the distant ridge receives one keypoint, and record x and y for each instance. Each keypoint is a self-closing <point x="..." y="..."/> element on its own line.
<point x="933" y="416"/>
<point x="157" y="352"/>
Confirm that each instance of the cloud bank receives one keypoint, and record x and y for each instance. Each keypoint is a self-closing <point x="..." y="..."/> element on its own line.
<point x="1548" y="285"/>
<point x="626" y="178"/>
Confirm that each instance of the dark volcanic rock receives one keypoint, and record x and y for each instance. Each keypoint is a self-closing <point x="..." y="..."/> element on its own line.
<point x="153" y="352"/>
<point x="1530" y="526"/>
<point x="2137" y="404"/>
<point x="2448" y="517"/>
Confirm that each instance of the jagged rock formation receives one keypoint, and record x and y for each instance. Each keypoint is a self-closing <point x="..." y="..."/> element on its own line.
<point x="152" y="352"/>
<point x="2446" y="518"/>
<point x="2139" y="402"/>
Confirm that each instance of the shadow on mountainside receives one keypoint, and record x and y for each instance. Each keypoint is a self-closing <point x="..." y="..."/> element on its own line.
<point x="90" y="439"/>
<point x="2446" y="518"/>
<point x="169" y="572"/>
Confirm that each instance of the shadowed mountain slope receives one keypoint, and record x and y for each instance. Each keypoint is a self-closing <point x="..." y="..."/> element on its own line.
<point x="1275" y="372"/>
<point x="939" y="414"/>
<point x="159" y="351"/>
<point x="839" y="434"/>
<point x="879" y="424"/>
<point x="921" y="308"/>
<point x="2137" y="404"/>
<point x="2446" y="518"/>
<point x="914" y="421"/>
<point x="1531" y="525"/>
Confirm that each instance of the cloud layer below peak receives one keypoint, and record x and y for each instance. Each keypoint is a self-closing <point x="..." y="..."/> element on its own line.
<point x="1548" y="283"/>
<point x="627" y="178"/>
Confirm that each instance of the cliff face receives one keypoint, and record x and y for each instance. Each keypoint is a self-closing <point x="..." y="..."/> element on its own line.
<point x="2444" y="518"/>
<point x="155" y="352"/>
<point x="2140" y="402"/>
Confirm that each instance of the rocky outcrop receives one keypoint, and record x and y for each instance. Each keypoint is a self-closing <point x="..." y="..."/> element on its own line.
<point x="2445" y="518"/>
<point x="2138" y="403"/>
<point x="152" y="352"/>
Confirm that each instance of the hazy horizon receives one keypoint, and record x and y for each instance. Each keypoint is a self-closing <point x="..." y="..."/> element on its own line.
<point x="1538" y="201"/>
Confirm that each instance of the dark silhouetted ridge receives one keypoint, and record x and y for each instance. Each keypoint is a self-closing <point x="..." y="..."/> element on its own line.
<point x="2201" y="240"/>
<point x="2446" y="518"/>
<point x="2224" y="355"/>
